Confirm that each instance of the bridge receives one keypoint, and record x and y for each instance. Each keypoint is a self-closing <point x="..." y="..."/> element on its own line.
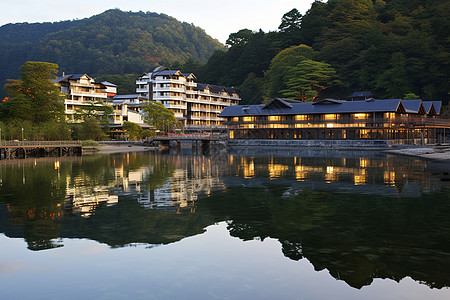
<point x="199" y="141"/>
<point x="25" y="149"/>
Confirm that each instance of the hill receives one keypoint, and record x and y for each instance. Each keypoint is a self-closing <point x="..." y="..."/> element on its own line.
<point x="389" y="47"/>
<point x="114" y="42"/>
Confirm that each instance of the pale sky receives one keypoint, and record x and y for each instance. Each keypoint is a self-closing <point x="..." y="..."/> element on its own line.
<point x="218" y="18"/>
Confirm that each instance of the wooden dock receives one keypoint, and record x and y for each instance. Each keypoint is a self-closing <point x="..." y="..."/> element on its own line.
<point x="26" y="149"/>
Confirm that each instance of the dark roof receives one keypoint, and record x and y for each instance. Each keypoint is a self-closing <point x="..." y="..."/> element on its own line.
<point x="414" y="106"/>
<point x="131" y="96"/>
<point x="360" y="94"/>
<point x="200" y="86"/>
<point x="438" y="107"/>
<point x="70" y="76"/>
<point x="167" y="73"/>
<point x="188" y="74"/>
<point x="428" y="105"/>
<point x="216" y="88"/>
<point x="283" y="107"/>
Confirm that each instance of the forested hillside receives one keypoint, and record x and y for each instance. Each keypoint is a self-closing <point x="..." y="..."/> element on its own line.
<point x="391" y="48"/>
<point x="114" y="42"/>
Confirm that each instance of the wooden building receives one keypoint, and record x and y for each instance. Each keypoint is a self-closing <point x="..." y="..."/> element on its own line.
<point x="395" y="120"/>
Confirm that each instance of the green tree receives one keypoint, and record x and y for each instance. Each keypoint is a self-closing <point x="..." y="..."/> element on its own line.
<point x="239" y="38"/>
<point x="307" y="79"/>
<point x="34" y="98"/>
<point x="275" y="77"/>
<point x="89" y="129"/>
<point x="133" y="130"/>
<point x="158" y="116"/>
<point x="291" y="21"/>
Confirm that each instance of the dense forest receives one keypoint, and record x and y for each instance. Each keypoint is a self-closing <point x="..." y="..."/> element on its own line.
<point x="392" y="48"/>
<point x="114" y="42"/>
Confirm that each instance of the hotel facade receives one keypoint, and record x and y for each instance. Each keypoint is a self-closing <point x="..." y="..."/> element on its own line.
<point x="194" y="104"/>
<point x="390" y="121"/>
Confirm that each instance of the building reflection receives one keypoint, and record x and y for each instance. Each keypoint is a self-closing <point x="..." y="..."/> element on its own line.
<point x="408" y="177"/>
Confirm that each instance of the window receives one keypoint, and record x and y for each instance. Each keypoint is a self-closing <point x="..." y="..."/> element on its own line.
<point x="330" y="117"/>
<point x="301" y="117"/>
<point x="248" y="119"/>
<point x="361" y="116"/>
<point x="275" y="118"/>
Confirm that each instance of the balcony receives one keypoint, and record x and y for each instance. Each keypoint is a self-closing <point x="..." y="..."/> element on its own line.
<point x="159" y="98"/>
<point x="142" y="90"/>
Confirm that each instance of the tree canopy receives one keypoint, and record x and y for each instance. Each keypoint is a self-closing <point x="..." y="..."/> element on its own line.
<point x="158" y="116"/>
<point x="34" y="98"/>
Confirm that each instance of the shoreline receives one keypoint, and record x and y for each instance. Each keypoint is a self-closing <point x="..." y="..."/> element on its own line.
<point x="116" y="148"/>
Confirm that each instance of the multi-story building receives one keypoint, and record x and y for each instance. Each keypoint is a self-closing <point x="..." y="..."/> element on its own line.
<point x="82" y="92"/>
<point x="194" y="104"/>
<point x="377" y="122"/>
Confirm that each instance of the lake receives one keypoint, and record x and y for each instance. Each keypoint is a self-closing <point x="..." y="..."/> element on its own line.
<point x="239" y="225"/>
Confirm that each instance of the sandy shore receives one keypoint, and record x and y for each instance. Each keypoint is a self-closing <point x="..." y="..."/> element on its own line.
<point x="438" y="153"/>
<point x="117" y="148"/>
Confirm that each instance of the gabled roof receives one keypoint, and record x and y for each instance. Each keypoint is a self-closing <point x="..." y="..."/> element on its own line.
<point x="216" y="88"/>
<point x="429" y="107"/>
<point x="201" y="87"/>
<point x="414" y="106"/>
<point x="189" y="75"/>
<point x="438" y="107"/>
<point x="70" y="77"/>
<point x="167" y="73"/>
<point x="284" y="107"/>
<point x="279" y="103"/>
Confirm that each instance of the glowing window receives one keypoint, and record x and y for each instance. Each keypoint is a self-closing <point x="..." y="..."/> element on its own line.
<point x="330" y="116"/>
<point x="248" y="119"/>
<point x="274" y="118"/>
<point x="301" y="117"/>
<point x="361" y="116"/>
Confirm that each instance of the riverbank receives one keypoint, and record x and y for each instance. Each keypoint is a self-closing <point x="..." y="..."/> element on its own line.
<point x="436" y="153"/>
<point x="117" y="148"/>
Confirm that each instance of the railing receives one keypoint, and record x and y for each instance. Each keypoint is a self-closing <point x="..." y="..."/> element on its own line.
<point x="40" y="144"/>
<point x="363" y="123"/>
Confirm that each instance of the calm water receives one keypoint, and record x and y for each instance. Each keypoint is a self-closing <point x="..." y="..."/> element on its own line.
<point x="228" y="226"/>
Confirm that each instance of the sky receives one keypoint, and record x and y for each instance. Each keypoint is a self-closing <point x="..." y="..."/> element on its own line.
<point x="217" y="17"/>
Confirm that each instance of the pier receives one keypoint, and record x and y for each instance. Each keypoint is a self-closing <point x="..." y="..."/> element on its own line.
<point x="26" y="149"/>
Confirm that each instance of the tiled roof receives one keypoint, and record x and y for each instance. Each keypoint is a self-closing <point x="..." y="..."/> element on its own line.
<point x="283" y="107"/>
<point x="413" y="106"/>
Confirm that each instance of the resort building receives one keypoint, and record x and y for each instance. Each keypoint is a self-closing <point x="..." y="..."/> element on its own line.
<point x="81" y="92"/>
<point x="194" y="104"/>
<point x="126" y="108"/>
<point x="390" y="121"/>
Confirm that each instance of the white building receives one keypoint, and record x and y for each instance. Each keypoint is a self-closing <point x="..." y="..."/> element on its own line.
<point x="194" y="104"/>
<point x="82" y="91"/>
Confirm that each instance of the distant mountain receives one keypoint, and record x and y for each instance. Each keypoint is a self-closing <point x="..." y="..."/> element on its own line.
<point x="114" y="42"/>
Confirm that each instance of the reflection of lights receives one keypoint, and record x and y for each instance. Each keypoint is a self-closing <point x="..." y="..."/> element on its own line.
<point x="330" y="169"/>
<point x="56" y="165"/>
<point x="360" y="178"/>
<point x="363" y="162"/>
<point x="276" y="170"/>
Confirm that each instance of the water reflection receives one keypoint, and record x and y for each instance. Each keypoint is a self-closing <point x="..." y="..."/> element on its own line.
<point x="358" y="217"/>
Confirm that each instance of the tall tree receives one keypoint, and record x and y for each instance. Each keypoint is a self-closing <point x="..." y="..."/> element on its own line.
<point x="307" y="79"/>
<point x="275" y="77"/>
<point x="158" y="116"/>
<point x="34" y="98"/>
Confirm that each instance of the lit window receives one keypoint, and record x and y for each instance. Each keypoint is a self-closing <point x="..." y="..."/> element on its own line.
<point x="301" y="117"/>
<point x="248" y="119"/>
<point x="330" y="117"/>
<point x="274" y="118"/>
<point x="361" y="116"/>
<point x="236" y="119"/>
